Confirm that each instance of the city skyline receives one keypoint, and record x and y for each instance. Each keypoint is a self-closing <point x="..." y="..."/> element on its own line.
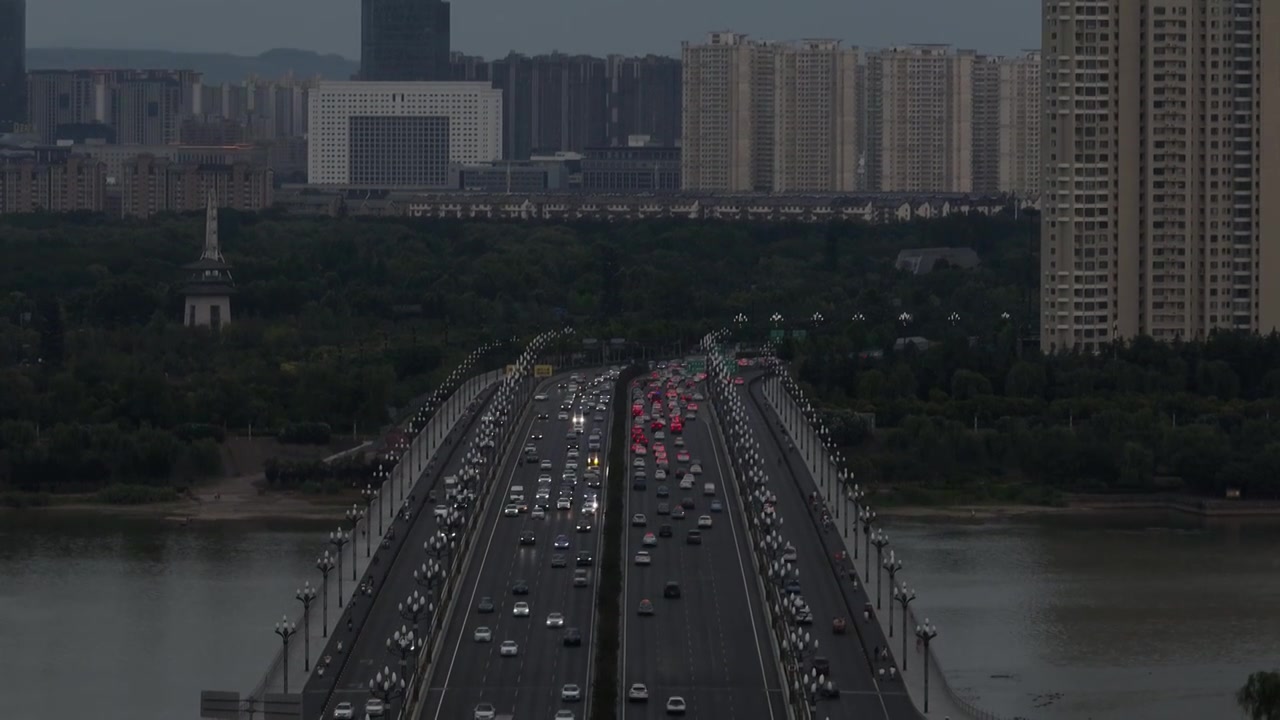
<point x="492" y="28"/>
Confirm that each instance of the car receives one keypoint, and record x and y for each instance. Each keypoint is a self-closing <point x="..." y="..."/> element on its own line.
<point x="638" y="692"/>
<point x="638" y="484"/>
<point x="686" y="482"/>
<point x="520" y="587"/>
<point x="374" y="707"/>
<point x="561" y="542"/>
<point x="671" y="590"/>
<point x="693" y="537"/>
<point x="584" y="558"/>
<point x="485" y="711"/>
<point x="643" y="558"/>
<point x="696" y="468"/>
<point x="717" y="506"/>
<point x="645" y="608"/>
<point x="482" y="634"/>
<point x="344" y="711"/>
<point x="564" y="503"/>
<point x="528" y="538"/>
<point x="572" y="455"/>
<point x="572" y="637"/>
<point x="664" y="531"/>
<point x="584" y="524"/>
<point x="485" y="605"/>
<point x="677" y="512"/>
<point x="538" y="512"/>
<point x="511" y="510"/>
<point x="682" y="456"/>
<point x="441" y="511"/>
<point x="555" y="620"/>
<point x="637" y="462"/>
<point x="535" y="436"/>
<point x="663" y="491"/>
<point x="679" y="442"/>
<point x="559" y="560"/>
<point x="542" y="416"/>
<point x="570" y="467"/>
<point x="521" y="609"/>
<point x="564" y="714"/>
<point x="639" y="520"/>
<point x="562" y="415"/>
<point x="664" y="509"/>
<point x="649" y="540"/>
<point x="675" y="703"/>
<point x="581" y="578"/>
<point x="570" y="693"/>
<point x="508" y="648"/>
<point x="688" y="503"/>
<point x="540" y="397"/>
<point x="792" y="586"/>
<point x="660" y="474"/>
<point x="704" y="521"/>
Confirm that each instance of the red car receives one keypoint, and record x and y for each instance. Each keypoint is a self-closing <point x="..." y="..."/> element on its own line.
<point x="738" y="381"/>
<point x="637" y="410"/>
<point x="657" y="425"/>
<point x="677" y="427"/>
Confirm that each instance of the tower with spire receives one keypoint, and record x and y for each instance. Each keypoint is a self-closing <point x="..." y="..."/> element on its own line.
<point x="209" y="285"/>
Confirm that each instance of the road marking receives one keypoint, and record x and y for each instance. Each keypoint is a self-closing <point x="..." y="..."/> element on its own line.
<point x="755" y="631"/>
<point x="603" y="508"/>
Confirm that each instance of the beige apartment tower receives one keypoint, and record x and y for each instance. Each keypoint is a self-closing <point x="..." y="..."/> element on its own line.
<point x="769" y="117"/>
<point x="1161" y="169"/>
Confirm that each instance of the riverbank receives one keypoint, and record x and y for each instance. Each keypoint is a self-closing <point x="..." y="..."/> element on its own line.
<point x="1088" y="504"/>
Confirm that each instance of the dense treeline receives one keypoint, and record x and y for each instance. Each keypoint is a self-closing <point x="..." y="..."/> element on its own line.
<point x="338" y="321"/>
<point x="980" y="415"/>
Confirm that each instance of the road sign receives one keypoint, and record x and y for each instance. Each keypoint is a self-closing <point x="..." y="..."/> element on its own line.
<point x="543" y="371"/>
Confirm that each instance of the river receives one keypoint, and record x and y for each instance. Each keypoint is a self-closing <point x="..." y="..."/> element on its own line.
<point x="127" y="618"/>
<point x="1102" y="617"/>
<point x="1098" y="617"/>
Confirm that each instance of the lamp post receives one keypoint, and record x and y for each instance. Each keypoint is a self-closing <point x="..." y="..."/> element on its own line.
<point x="371" y="494"/>
<point x="413" y="608"/>
<point x="404" y="643"/>
<point x="880" y="540"/>
<point x="904" y="598"/>
<point x="353" y="519"/>
<point x="325" y="565"/>
<point x="286" y="630"/>
<point x="339" y="539"/>
<point x="867" y="516"/>
<point x="306" y="595"/>
<point x="387" y="686"/>
<point x="926" y="633"/>
<point x="853" y="496"/>
<point x="428" y="576"/>
<point x="891" y="565"/>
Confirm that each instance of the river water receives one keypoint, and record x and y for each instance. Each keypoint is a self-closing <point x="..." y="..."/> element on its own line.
<point x="131" y="619"/>
<point x="1102" y="617"/>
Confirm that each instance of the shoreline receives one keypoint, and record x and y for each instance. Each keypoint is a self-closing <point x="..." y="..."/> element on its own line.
<point x="1083" y="506"/>
<point x="277" y="507"/>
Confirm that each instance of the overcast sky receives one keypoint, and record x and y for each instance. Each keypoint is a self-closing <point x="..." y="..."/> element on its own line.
<point x="493" y="27"/>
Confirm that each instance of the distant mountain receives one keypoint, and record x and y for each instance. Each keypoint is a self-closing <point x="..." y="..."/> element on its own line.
<point x="217" y="67"/>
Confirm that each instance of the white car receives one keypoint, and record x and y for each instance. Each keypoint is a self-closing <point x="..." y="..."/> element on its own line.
<point x="643" y="558"/>
<point x="441" y="511"/>
<point x="572" y="455"/>
<point x="545" y="465"/>
<point x="555" y="620"/>
<point x="483" y="634"/>
<point x="565" y="715"/>
<point x="538" y="513"/>
<point x="639" y="520"/>
<point x="660" y="474"/>
<point x="704" y="521"/>
<point x="564" y="503"/>
<point x="675" y="705"/>
<point x="344" y="711"/>
<point x="509" y="648"/>
<point x="686" y="482"/>
<point x="696" y="469"/>
<point x="511" y="510"/>
<point x="521" y="609"/>
<point x="374" y="707"/>
<point x="486" y="711"/>
<point x="570" y="693"/>
<point x="540" y="397"/>
<point x="639" y="692"/>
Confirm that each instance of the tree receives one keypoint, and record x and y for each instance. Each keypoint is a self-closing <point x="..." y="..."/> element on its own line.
<point x="1260" y="696"/>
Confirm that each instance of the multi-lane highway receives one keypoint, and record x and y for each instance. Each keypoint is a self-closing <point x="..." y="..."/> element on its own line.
<point x="828" y="595"/>
<point x="377" y="616"/>
<point x="515" y="563"/>
<point x="709" y="646"/>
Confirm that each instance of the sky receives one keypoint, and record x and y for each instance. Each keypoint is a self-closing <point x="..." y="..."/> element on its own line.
<point x="493" y="27"/>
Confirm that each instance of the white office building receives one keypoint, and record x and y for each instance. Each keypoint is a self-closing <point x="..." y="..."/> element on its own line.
<point x="400" y="134"/>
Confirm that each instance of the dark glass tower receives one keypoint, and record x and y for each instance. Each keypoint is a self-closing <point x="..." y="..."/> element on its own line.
<point x="404" y="40"/>
<point x="13" y="63"/>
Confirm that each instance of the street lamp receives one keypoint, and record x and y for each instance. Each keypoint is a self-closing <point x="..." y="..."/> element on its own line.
<point x="371" y="494"/>
<point x="403" y="643"/>
<point x="904" y="598"/>
<point x="853" y="496"/>
<point x="891" y="565"/>
<point x="286" y="630"/>
<point x="880" y="540"/>
<point x="306" y="595"/>
<point x="926" y="633"/>
<point x="867" y="516"/>
<point x="387" y="686"/>
<point x="325" y="565"/>
<point x="353" y="519"/>
<point x="339" y="539"/>
<point x="413" y="608"/>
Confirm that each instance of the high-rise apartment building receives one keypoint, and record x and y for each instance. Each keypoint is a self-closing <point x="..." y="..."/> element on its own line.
<point x="1018" y="116"/>
<point x="1161" y="169"/>
<point x="769" y="117"/>
<point x="139" y="106"/>
<point x="920" y="118"/>
<point x="404" y="40"/>
<point x="50" y="180"/>
<point x="13" y="63"/>
<point x="401" y="134"/>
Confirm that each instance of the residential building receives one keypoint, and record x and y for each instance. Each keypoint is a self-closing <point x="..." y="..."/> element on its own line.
<point x="401" y="134"/>
<point x="404" y="40"/>
<point x="920" y="125"/>
<point x="116" y="157"/>
<point x="140" y="106"/>
<point x="151" y="185"/>
<point x="509" y="176"/>
<point x="1019" y="116"/>
<point x="13" y="64"/>
<point x="639" y="166"/>
<point x="719" y="111"/>
<point x="815" y="118"/>
<point x="49" y="179"/>
<point x="60" y="98"/>
<point x="1161" y="170"/>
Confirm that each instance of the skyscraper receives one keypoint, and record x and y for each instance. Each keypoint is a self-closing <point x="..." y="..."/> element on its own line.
<point x="404" y="40"/>
<point x="1161" y="169"/>
<point x="13" y="63"/>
